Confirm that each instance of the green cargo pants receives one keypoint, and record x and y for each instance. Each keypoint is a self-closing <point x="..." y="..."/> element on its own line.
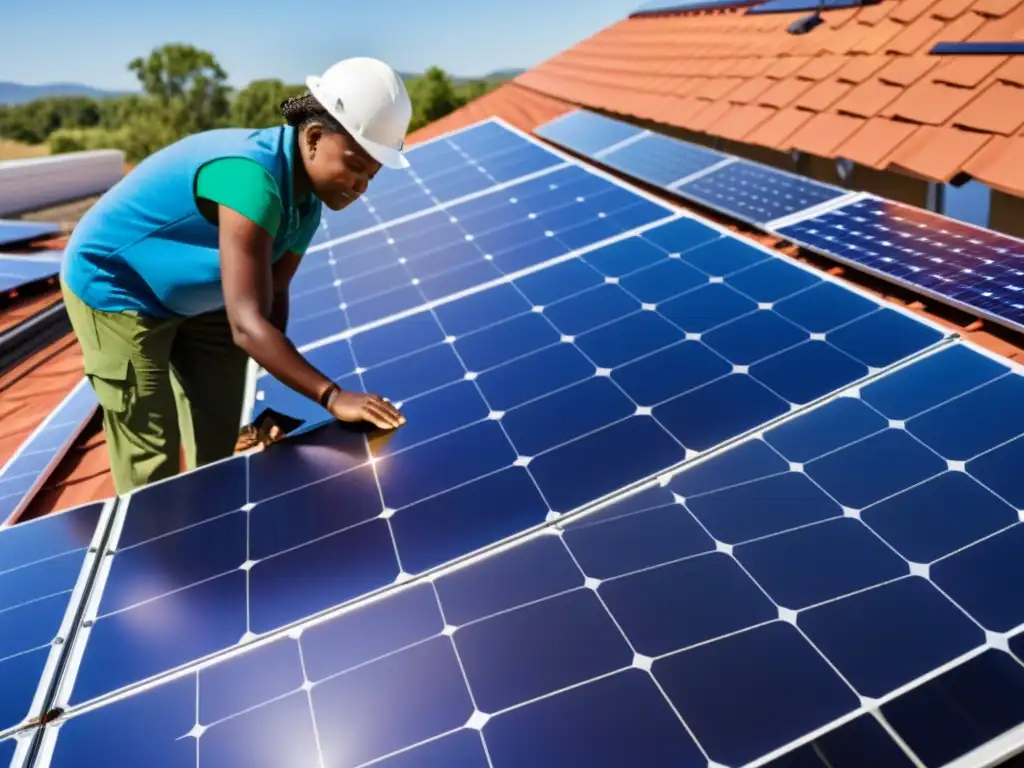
<point x="163" y="385"/>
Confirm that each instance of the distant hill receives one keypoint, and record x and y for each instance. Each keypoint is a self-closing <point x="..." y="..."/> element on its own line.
<point x="17" y="93"/>
<point x="499" y="74"/>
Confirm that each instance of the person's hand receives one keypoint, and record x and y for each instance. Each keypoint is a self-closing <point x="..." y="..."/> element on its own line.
<point x="355" y="406"/>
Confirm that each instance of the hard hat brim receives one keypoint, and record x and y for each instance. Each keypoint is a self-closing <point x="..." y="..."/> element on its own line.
<point x="387" y="156"/>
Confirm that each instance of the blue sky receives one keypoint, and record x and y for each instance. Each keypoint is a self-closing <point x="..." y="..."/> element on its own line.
<point x="92" y="42"/>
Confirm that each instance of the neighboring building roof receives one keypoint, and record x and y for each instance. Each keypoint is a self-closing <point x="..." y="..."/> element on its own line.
<point x="861" y="86"/>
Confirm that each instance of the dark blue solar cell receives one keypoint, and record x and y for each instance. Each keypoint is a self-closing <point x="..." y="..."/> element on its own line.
<point x="7" y="748"/>
<point x="667" y="278"/>
<point x="620" y="720"/>
<point x="387" y="342"/>
<point x="453" y="257"/>
<point x="748" y="694"/>
<point x="961" y="709"/>
<point x="374" y="711"/>
<point x="519" y="655"/>
<point x="710" y="596"/>
<point x="965" y="427"/>
<point x="566" y="414"/>
<point x="874" y="468"/>
<point x="982" y="579"/>
<point x="754" y="337"/>
<point x="859" y="743"/>
<point x="585" y="132"/>
<point x="626" y="339"/>
<point x="52" y="535"/>
<point x="590" y="309"/>
<point x="670" y="372"/>
<point x="464" y="749"/>
<point x="890" y="635"/>
<point x="661" y="160"/>
<point x="290" y="464"/>
<point x="824" y="307"/>
<point x="376" y="308"/>
<point x="558" y="282"/>
<point x="834" y="425"/>
<point x="370" y="632"/>
<point x="612" y="547"/>
<point x="271" y="393"/>
<point x="467" y="518"/>
<point x="460" y="279"/>
<point x="529" y="254"/>
<point x="31" y="625"/>
<point x="927" y="522"/>
<point x="313" y="511"/>
<point x="315" y="303"/>
<point x="725" y="256"/>
<point x="124" y="733"/>
<point x="481" y="309"/>
<point x="336" y="360"/>
<point x="705" y="308"/>
<point x="592" y="231"/>
<point x="750" y="460"/>
<point x="505" y="341"/>
<point x="441" y="464"/>
<point x="772" y="280"/>
<point x="820" y="562"/>
<point x="624" y="257"/>
<point x="434" y="414"/>
<point x="248" y="680"/>
<point x="883" y="337"/>
<point x="762" y="507"/>
<point x="370" y="284"/>
<point x="20" y="677"/>
<point x="998" y="470"/>
<point x="723" y="409"/>
<point x="123" y="649"/>
<point x="681" y="235"/>
<point x="31" y="582"/>
<point x="175" y="561"/>
<point x="253" y="738"/>
<point x="415" y="373"/>
<point x="549" y="369"/>
<point x="808" y="371"/>
<point x="592" y="466"/>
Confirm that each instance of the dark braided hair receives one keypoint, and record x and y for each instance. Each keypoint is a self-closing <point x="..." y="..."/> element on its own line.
<point x="300" y="111"/>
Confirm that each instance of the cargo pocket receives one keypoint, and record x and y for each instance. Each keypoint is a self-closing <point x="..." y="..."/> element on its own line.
<point x="110" y="380"/>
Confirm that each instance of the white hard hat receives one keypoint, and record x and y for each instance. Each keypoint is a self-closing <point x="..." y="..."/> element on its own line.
<point x="370" y="101"/>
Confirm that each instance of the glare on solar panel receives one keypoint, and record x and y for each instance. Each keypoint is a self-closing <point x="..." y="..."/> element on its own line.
<point x="13" y="232"/>
<point x="791" y="6"/>
<point x="974" y="269"/>
<point x="661" y="160"/>
<point x="818" y="572"/>
<point x="586" y="132"/>
<point x="17" y="271"/>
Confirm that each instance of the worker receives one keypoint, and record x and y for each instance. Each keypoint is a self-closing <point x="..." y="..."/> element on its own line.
<point x="180" y="272"/>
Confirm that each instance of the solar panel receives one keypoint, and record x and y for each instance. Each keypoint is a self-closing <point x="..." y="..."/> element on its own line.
<point x="448" y="168"/>
<point x="791" y="6"/>
<point x="37" y="456"/>
<point x="965" y="266"/>
<point x="15" y="232"/>
<point x="586" y="132"/>
<point x="453" y="248"/>
<point x="667" y="6"/>
<point x="1008" y="48"/>
<point x="757" y="193"/>
<point x="761" y="607"/>
<point x="16" y="271"/>
<point x="43" y="564"/>
<point x="660" y="160"/>
<point x="524" y="401"/>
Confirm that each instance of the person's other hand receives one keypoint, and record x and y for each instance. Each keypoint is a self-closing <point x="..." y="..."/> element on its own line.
<point x="355" y="406"/>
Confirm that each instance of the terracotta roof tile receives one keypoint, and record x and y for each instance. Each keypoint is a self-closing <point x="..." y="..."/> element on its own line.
<point x="1000" y="29"/>
<point x="705" y="119"/>
<point x="1000" y="165"/>
<point x="860" y="68"/>
<point x="785" y="67"/>
<point x="840" y="16"/>
<point x="998" y="109"/>
<point x="914" y="37"/>
<point x="996" y="8"/>
<point x="947" y="10"/>
<point x="937" y="153"/>
<point x="717" y="88"/>
<point x="750" y="91"/>
<point x="875" y="141"/>
<point x="776" y="131"/>
<point x="967" y="71"/>
<point x="741" y="120"/>
<point x="821" y="67"/>
<point x="843" y="41"/>
<point x="822" y="96"/>
<point x="958" y="30"/>
<point x="868" y="99"/>
<point x="784" y="93"/>
<point x="909" y="10"/>
<point x="1012" y="71"/>
<point x="929" y="103"/>
<point x="907" y="70"/>
<point x="825" y="133"/>
<point x="879" y="38"/>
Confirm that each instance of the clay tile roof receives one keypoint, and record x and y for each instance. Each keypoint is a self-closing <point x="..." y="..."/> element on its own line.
<point x="995" y="8"/>
<point x="860" y="68"/>
<point x="907" y="70"/>
<point x="824" y="134"/>
<point x="938" y="153"/>
<point x="947" y="10"/>
<point x="777" y="130"/>
<point x="914" y="37"/>
<point x="785" y="92"/>
<point x="876" y="140"/>
<point x="741" y="120"/>
<point x="929" y="102"/>
<point x="910" y="10"/>
<point x="998" y="109"/>
<point x="1000" y="164"/>
<point x="967" y="71"/>
<point x="821" y="67"/>
<point x="868" y="99"/>
<point x="822" y="96"/>
<point x="1012" y="71"/>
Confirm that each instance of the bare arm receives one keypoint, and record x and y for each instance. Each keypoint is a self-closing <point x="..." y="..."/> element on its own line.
<point x="281" y="275"/>
<point x="249" y="290"/>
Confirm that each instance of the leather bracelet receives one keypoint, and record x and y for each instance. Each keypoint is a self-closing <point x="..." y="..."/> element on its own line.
<point x="325" y="396"/>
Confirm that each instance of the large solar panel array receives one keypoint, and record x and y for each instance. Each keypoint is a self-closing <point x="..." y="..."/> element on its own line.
<point x="37" y="456"/>
<point x="16" y="232"/>
<point x="748" y="191"/>
<point x="975" y="269"/>
<point x="565" y="557"/>
<point x="16" y="271"/>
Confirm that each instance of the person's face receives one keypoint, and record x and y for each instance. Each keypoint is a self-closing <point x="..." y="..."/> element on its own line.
<point x="339" y="169"/>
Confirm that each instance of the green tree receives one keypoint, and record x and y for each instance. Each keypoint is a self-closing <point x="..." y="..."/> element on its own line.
<point x="188" y="83"/>
<point x="433" y="96"/>
<point x="257" y="105"/>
